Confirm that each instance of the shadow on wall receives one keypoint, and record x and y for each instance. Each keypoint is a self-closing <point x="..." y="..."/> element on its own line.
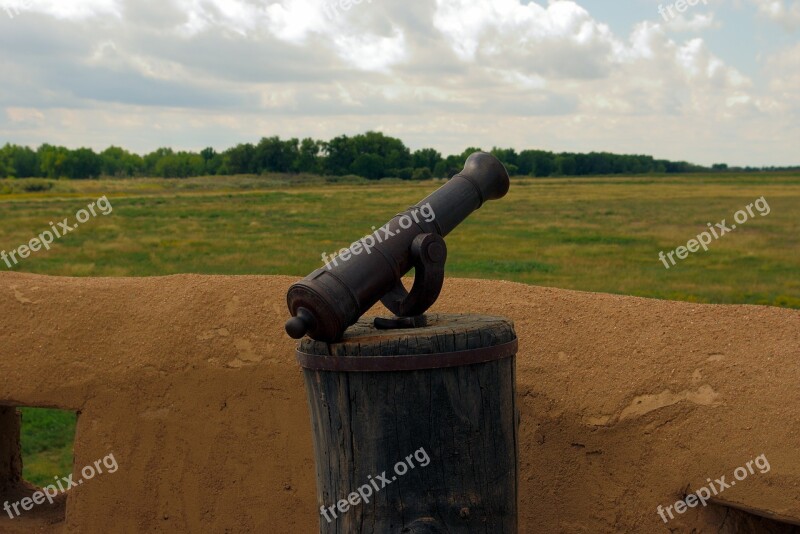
<point x="734" y="521"/>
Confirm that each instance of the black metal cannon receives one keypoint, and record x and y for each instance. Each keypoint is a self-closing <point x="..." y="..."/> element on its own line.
<point x="334" y="297"/>
<point x="437" y="386"/>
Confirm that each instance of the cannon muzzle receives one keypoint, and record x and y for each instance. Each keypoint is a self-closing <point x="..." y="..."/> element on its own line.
<point x="332" y="298"/>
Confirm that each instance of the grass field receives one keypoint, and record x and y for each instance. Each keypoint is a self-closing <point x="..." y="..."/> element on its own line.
<point x="595" y="234"/>
<point x="47" y="437"/>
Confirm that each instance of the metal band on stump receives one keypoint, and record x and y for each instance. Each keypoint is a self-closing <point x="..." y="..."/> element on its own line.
<point x="446" y="390"/>
<point x="407" y="363"/>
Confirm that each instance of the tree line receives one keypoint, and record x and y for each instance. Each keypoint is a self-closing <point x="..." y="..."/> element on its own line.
<point x="371" y="155"/>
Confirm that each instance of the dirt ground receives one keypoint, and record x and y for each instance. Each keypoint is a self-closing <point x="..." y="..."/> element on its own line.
<point x="190" y="381"/>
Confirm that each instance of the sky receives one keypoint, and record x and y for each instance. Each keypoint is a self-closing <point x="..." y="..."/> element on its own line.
<point x="717" y="81"/>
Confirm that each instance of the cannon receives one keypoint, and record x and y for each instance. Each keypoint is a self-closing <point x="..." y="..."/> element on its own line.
<point x="367" y="387"/>
<point x="331" y="299"/>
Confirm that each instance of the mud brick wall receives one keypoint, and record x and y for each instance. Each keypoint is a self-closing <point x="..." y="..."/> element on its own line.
<point x="191" y="382"/>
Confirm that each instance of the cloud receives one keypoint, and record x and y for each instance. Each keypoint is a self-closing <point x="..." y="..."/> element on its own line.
<point x="336" y="23"/>
<point x="777" y="10"/>
<point x="71" y="10"/>
<point x="783" y="69"/>
<point x="697" y="23"/>
<point x="442" y="73"/>
<point x="560" y="40"/>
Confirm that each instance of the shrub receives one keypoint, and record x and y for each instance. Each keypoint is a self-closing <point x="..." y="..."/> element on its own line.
<point x="36" y="186"/>
<point x="422" y="174"/>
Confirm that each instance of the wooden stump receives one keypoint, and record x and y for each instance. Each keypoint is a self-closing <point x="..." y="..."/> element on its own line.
<point x="424" y="420"/>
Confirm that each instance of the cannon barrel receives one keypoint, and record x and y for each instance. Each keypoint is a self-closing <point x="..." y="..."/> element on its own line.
<point x="329" y="300"/>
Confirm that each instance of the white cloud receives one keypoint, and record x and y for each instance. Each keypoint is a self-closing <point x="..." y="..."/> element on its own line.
<point x="648" y="74"/>
<point x="301" y="23"/>
<point x="295" y="20"/>
<point x="371" y="52"/>
<point x="443" y="73"/>
<point x="778" y="11"/>
<point x="784" y="71"/>
<point x="560" y="40"/>
<point x="697" y="23"/>
<point x="70" y="10"/>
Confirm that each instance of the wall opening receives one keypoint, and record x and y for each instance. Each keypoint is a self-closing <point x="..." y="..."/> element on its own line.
<point x="36" y="452"/>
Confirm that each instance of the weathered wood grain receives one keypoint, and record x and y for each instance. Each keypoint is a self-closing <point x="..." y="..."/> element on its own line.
<point x="463" y="418"/>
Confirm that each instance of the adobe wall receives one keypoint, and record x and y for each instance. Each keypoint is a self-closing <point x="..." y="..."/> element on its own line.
<point x="191" y="383"/>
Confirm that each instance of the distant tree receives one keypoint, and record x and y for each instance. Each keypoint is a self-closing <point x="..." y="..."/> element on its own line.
<point x="422" y="173"/>
<point x="536" y="163"/>
<point x="393" y="153"/>
<point x="441" y="169"/>
<point x="24" y="161"/>
<point x="6" y="165"/>
<point x="208" y="154"/>
<point x="466" y="154"/>
<point x="674" y="167"/>
<point x="82" y="163"/>
<point x="52" y="160"/>
<point x="599" y="163"/>
<point x="340" y="153"/>
<point x="448" y="167"/>
<point x="566" y="165"/>
<point x="370" y="166"/>
<point x="240" y="159"/>
<point x="426" y="158"/>
<point x="660" y="166"/>
<point x="526" y="162"/>
<point x="273" y="155"/>
<point x="180" y="165"/>
<point x="371" y="154"/>
<point x="404" y="174"/>
<point x="150" y="161"/>
<point x="309" y="156"/>
<point x="508" y="156"/>
<point x="167" y="167"/>
<point x="212" y="160"/>
<point x="117" y="161"/>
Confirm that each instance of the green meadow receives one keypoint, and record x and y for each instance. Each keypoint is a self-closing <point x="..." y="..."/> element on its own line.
<point x="593" y="234"/>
